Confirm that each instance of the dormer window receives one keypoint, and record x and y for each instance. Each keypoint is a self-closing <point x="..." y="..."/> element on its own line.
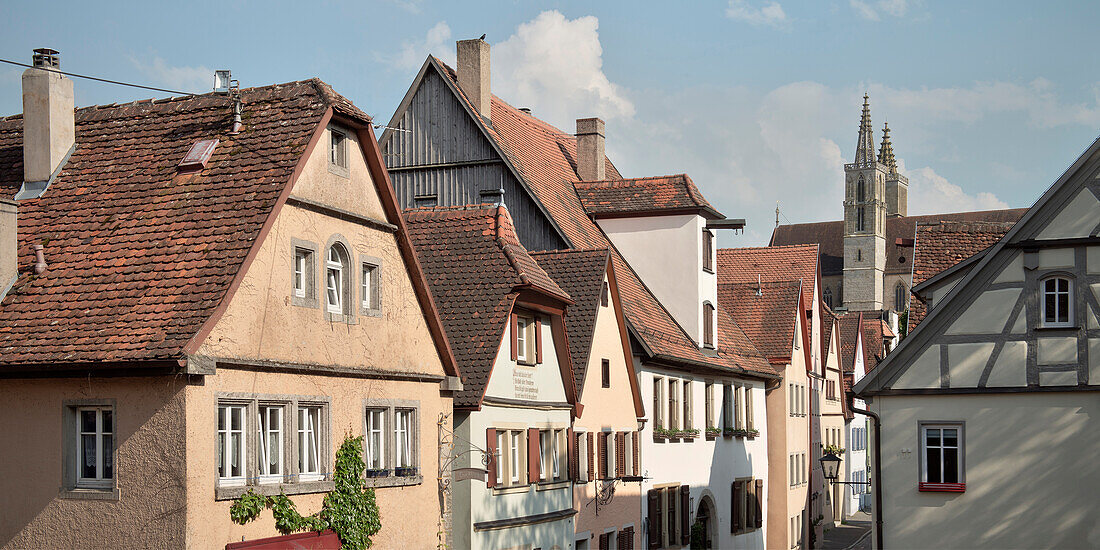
<point x="338" y="154"/>
<point x="1057" y="305"/>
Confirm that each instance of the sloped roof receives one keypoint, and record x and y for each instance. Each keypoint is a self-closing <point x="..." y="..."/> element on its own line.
<point x="771" y="264"/>
<point x="476" y="269"/>
<point x="581" y="274"/>
<point x="545" y="158"/>
<point x="655" y="194"/>
<point x="767" y="316"/>
<point x="938" y="246"/>
<point x="828" y="321"/>
<point x="899" y="258"/>
<point x="139" y="255"/>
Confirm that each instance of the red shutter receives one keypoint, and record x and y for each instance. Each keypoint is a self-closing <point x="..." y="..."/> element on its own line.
<point x="532" y="455"/>
<point x="514" y="329"/>
<point x="654" y="519"/>
<point x="735" y="525"/>
<point x="637" y="466"/>
<point x="620" y="454"/>
<point x="591" y="457"/>
<point x="538" y="340"/>
<point x="685" y="514"/>
<point x="491" y="448"/>
<point x="759" y="502"/>
<point x="571" y="447"/>
<point x="602" y="438"/>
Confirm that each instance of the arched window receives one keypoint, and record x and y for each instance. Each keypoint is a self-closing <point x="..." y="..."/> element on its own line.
<point x="1057" y="305"/>
<point x="337" y="280"/>
<point x="900" y="301"/>
<point x="828" y="297"/>
<point x="861" y="190"/>
<point x="708" y="325"/>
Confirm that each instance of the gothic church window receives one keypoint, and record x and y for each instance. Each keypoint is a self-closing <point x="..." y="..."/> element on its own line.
<point x="829" y="297"/>
<point x="860" y="225"/>
<point x="900" y="303"/>
<point x="861" y="190"/>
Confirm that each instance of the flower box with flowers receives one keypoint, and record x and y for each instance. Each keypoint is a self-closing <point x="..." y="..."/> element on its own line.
<point x="712" y="433"/>
<point x="690" y="433"/>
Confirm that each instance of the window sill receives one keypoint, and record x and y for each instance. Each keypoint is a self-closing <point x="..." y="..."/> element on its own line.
<point x="1057" y="327"/>
<point x="708" y="270"/>
<point x="309" y="302"/>
<point x="511" y="489"/>
<point x="272" y="489"/>
<point x="393" y="481"/>
<point x="342" y="171"/>
<point x="941" y="487"/>
<point x="81" y="493"/>
<point x="363" y="312"/>
<point x="551" y="485"/>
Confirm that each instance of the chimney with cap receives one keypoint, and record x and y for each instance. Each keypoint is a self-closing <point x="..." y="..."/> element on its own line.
<point x="591" y="163"/>
<point x="473" y="74"/>
<point x="9" y="245"/>
<point x="49" y="126"/>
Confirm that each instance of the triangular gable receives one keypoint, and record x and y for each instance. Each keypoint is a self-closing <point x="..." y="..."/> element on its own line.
<point x="973" y="339"/>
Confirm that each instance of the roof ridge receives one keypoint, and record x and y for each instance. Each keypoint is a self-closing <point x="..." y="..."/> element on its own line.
<point x="568" y="250"/>
<point x="628" y="180"/>
<point x="769" y="247"/>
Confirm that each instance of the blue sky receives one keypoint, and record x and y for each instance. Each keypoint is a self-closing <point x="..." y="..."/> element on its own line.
<point x="758" y="101"/>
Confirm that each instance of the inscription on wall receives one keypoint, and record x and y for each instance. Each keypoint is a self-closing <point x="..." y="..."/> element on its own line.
<point x="523" y="380"/>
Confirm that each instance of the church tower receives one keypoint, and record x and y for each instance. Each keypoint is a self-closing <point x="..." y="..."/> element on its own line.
<point x="897" y="185"/>
<point x="865" y="211"/>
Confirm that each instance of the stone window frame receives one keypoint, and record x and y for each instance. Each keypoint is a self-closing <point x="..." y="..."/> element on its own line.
<point x="348" y="280"/>
<point x="70" y="489"/>
<point x="290" y="484"/>
<point x="375" y="263"/>
<point x="310" y="300"/>
<point x="333" y="166"/>
<point x="389" y="432"/>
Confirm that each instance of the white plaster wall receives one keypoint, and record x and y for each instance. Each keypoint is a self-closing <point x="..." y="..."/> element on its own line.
<point x="667" y="253"/>
<point x="546" y="375"/>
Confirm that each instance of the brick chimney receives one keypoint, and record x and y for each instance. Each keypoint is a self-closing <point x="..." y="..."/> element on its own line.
<point x="49" y="127"/>
<point x="473" y="74"/>
<point x="591" y="164"/>
<point x="9" y="247"/>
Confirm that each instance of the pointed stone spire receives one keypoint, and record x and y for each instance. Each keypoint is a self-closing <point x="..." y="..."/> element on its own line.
<point x="886" y="153"/>
<point x="865" y="149"/>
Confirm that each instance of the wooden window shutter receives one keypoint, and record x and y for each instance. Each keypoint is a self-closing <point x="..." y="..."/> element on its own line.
<point x="538" y="340"/>
<point x="514" y="325"/>
<point x="571" y="448"/>
<point x="654" y="519"/>
<point x="620" y="454"/>
<point x="604" y="543"/>
<point x="748" y="407"/>
<point x="759" y="503"/>
<point x="603" y="295"/>
<point x="685" y="514"/>
<point x="750" y="502"/>
<point x="602" y="438"/>
<point x="591" y="457"/>
<point x="626" y="538"/>
<point x="491" y="448"/>
<point x="533" y="455"/>
<point x="605" y="373"/>
<point x="735" y="525"/>
<point x="637" y="470"/>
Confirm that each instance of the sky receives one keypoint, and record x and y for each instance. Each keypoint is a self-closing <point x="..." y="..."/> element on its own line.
<point x="758" y="101"/>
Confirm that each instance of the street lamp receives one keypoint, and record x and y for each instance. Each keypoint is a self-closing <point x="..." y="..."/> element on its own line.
<point x="830" y="464"/>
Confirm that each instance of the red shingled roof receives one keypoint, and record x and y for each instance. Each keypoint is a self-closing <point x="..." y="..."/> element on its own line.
<point x="139" y="255"/>
<point x="849" y="327"/>
<point x="546" y="160"/>
<point x="767" y="317"/>
<point x="651" y="195"/>
<point x="772" y="264"/>
<point x="476" y="268"/>
<point x="941" y="245"/>
<point x="899" y="259"/>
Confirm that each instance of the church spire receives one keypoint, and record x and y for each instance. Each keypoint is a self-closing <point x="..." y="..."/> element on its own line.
<point x="865" y="149"/>
<point x="886" y="153"/>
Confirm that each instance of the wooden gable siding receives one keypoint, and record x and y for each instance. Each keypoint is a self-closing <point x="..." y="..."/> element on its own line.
<point x="444" y="153"/>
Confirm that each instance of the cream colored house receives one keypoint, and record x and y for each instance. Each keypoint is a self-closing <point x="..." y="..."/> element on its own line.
<point x="831" y="423"/>
<point x="989" y="407"/>
<point x="201" y="309"/>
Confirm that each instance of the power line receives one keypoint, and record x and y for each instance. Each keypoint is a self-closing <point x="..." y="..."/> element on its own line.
<point x="108" y="81"/>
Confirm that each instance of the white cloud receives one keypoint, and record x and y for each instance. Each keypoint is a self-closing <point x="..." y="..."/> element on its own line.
<point x="555" y="66"/>
<point x="411" y="6"/>
<point x="771" y="13"/>
<point x="198" y="79"/>
<point x="437" y="41"/>
<point x="870" y="10"/>
<point x="931" y="193"/>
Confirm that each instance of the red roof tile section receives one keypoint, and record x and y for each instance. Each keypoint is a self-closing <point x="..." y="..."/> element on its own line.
<point x="546" y="160"/>
<point x="941" y="245"/>
<point x="581" y="274"/>
<point x="652" y="195"/>
<point x="475" y="268"/>
<point x="140" y="255"/>
<point x="899" y="259"/>
<point x="772" y="264"/>
<point x="766" y="313"/>
<point x="849" y="327"/>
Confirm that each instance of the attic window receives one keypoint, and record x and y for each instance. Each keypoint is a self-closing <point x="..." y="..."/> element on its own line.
<point x="198" y="155"/>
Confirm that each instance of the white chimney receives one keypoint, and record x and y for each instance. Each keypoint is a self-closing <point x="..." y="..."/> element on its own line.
<point x="49" y="125"/>
<point x="591" y="164"/>
<point x="9" y="247"/>
<point x="473" y="74"/>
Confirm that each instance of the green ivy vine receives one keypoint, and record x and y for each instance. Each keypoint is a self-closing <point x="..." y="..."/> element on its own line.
<point x="350" y="509"/>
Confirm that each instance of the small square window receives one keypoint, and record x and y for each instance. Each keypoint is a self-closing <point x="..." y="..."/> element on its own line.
<point x="269" y="458"/>
<point x="309" y="443"/>
<point x="403" y="428"/>
<point x="376" y="440"/>
<point x="231" y="444"/>
<point x="941" y="447"/>
<point x="303" y="285"/>
<point x="605" y="373"/>
<point x="370" y="291"/>
<point x="95" y="447"/>
<point x="1057" y="302"/>
<point x="338" y="149"/>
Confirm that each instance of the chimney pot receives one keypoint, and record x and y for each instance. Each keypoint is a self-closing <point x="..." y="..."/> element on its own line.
<point x="46" y="58"/>
<point x="49" y="123"/>
<point x="591" y="160"/>
<point x="40" y="264"/>
<point x="473" y="74"/>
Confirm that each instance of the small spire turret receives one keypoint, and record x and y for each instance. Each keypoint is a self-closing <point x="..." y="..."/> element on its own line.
<point x="886" y="153"/>
<point x="865" y="149"/>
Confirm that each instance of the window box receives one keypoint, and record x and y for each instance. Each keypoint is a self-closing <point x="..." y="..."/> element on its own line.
<point x="661" y="434"/>
<point x="751" y="434"/>
<point x="378" y="472"/>
<point x="713" y="432"/>
<point x="729" y="432"/>
<point x="404" y="472"/>
<point x="926" y="487"/>
<point x="687" y="434"/>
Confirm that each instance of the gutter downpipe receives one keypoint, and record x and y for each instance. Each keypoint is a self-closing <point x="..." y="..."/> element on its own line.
<point x="878" y="474"/>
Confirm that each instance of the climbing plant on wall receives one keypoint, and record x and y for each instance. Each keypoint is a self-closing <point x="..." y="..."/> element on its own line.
<point x="350" y="509"/>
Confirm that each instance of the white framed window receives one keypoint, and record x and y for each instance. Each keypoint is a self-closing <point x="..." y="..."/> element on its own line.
<point x="497" y="458"/>
<point x="555" y="452"/>
<point x="609" y="456"/>
<point x="544" y="453"/>
<point x="727" y="407"/>
<point x="303" y="259"/>
<point x="95" y="447"/>
<point x="673" y="404"/>
<point x="658" y="402"/>
<point x="941" y="453"/>
<point x="521" y="339"/>
<point x="403" y="438"/>
<point x="1057" y="302"/>
<point x="368" y="287"/>
<point x="338" y="149"/>
<point x="231" y="444"/>
<point x="628" y="454"/>
<point x="269" y="433"/>
<point x="689" y="409"/>
<point x="514" y="448"/>
<point x="376" y="439"/>
<point x="336" y="290"/>
<point x="309" y="443"/>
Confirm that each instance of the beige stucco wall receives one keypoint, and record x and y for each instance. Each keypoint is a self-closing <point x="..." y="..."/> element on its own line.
<point x="1030" y="468"/>
<point x="613" y="408"/>
<point x="511" y="380"/>
<point x="787" y="434"/>
<point x="150" y="465"/>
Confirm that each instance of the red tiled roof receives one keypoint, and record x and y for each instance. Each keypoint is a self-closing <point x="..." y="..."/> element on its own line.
<point x="546" y="159"/>
<point x="849" y="326"/>
<point x="941" y="245"/>
<point x="828" y="321"/>
<point x="475" y="268"/>
<point x="873" y="346"/>
<point x="581" y="274"/>
<point x="899" y="259"/>
<point x="767" y="317"/>
<point x="772" y="264"/>
<point x="643" y="195"/>
<point x="139" y="255"/>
